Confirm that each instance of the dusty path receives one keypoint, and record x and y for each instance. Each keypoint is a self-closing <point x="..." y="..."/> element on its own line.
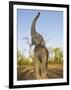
<point x="27" y="73"/>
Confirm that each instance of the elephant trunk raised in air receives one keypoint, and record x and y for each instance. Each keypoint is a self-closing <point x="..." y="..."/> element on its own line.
<point x="37" y="39"/>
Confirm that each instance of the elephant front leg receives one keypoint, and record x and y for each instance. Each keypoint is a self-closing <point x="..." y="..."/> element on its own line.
<point x="37" y="70"/>
<point x="44" y="69"/>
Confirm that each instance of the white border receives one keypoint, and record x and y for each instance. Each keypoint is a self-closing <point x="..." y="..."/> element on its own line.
<point x="28" y="82"/>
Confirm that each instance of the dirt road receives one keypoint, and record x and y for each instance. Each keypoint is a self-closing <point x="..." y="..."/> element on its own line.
<point x="27" y="73"/>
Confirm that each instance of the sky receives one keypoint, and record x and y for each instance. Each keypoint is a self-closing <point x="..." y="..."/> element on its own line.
<point x="49" y="25"/>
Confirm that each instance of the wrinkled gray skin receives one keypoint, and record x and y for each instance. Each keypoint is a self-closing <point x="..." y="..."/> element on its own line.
<point x="37" y="39"/>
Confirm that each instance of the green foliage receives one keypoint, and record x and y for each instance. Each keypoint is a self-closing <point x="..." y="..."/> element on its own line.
<point x="22" y="60"/>
<point x="58" y="55"/>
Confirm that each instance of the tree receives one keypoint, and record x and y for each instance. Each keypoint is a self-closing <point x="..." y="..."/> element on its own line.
<point x="51" y="53"/>
<point x="58" y="57"/>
